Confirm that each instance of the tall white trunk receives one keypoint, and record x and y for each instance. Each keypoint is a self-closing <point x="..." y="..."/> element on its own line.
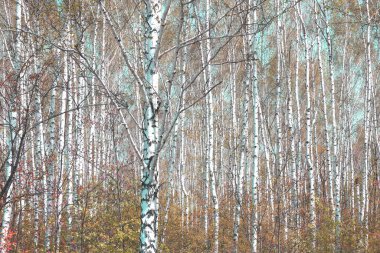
<point x="92" y="98"/>
<point x="364" y="205"/>
<point x="149" y="186"/>
<point x="69" y="144"/>
<point x="11" y="137"/>
<point x="308" y="144"/>
<point x="207" y="178"/>
<point x="278" y="147"/>
<point x="210" y="126"/>
<point x="243" y="149"/>
<point x="297" y="99"/>
<point x="182" y="118"/>
<point x="80" y="89"/>
<point x="206" y="140"/>
<point x="334" y="156"/>
<point x="243" y="139"/>
<point x="7" y="211"/>
<point x="292" y="157"/>
<point x="61" y="145"/>
<point x="233" y="143"/>
<point x="50" y="166"/>
<point x="325" y="119"/>
<point x="269" y="178"/>
<point x="255" y="159"/>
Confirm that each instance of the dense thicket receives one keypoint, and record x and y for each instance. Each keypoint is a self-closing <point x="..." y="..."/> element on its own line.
<point x="189" y="126"/>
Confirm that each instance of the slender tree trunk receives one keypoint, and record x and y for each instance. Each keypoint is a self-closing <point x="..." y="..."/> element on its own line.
<point x="69" y="168"/>
<point x="11" y="138"/>
<point x="278" y="149"/>
<point x="243" y="150"/>
<point x="334" y="157"/>
<point x="62" y="140"/>
<point x="326" y="124"/>
<point x="367" y="130"/>
<point x="50" y="166"/>
<point x="308" y="144"/>
<point x="255" y="153"/>
<point x="149" y="185"/>
<point x="298" y="106"/>
<point x="292" y="157"/>
<point x="7" y="211"/>
<point x="210" y="107"/>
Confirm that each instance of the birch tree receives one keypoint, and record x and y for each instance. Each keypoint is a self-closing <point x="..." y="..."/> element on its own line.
<point x="10" y="136"/>
<point x="255" y="100"/>
<point x="308" y="133"/>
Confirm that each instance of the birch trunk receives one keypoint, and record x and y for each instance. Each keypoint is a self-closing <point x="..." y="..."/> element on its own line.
<point x="243" y="150"/>
<point x="11" y="137"/>
<point x="308" y="144"/>
<point x="7" y="212"/>
<point x="62" y="148"/>
<point x="278" y="149"/>
<point x="210" y="107"/>
<point x="367" y="129"/>
<point x="255" y="159"/>
<point x="293" y="157"/>
<point x="80" y="154"/>
<point x="298" y="106"/>
<point x="92" y="98"/>
<point x="70" y="141"/>
<point x="325" y="119"/>
<point x="50" y="166"/>
<point x="149" y="186"/>
<point x="334" y="157"/>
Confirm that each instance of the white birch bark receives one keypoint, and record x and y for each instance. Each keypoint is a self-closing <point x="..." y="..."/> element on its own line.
<point x="7" y="211"/>
<point x="80" y="89"/>
<point x="293" y="157"/>
<point x="69" y="173"/>
<point x="297" y="99"/>
<point x="269" y="176"/>
<point x="364" y="205"/>
<point x="207" y="178"/>
<point x="210" y="126"/>
<point x="243" y="149"/>
<point x="92" y="101"/>
<point x="255" y="100"/>
<point x="50" y="166"/>
<point x="334" y="156"/>
<point x="352" y="167"/>
<point x="102" y="100"/>
<point x="149" y="187"/>
<point x="11" y="137"/>
<point x="182" y="118"/>
<point x="61" y="143"/>
<point x="233" y="143"/>
<point x="206" y="143"/>
<point x="325" y="119"/>
<point x="278" y="148"/>
<point x="308" y="144"/>
<point x="36" y="213"/>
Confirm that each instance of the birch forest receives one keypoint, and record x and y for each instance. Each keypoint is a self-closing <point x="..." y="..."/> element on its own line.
<point x="189" y="126"/>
